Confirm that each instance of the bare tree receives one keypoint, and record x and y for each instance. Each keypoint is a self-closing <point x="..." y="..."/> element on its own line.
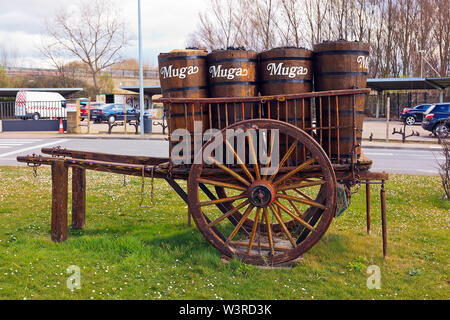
<point x="293" y="32"/>
<point x="8" y="56"/>
<point x="316" y="14"/>
<point x="92" y="31"/>
<point x="441" y="35"/>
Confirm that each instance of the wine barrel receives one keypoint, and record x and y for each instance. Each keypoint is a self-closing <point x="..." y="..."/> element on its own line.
<point x="282" y="71"/>
<point x="183" y="74"/>
<point x="232" y="73"/>
<point x="341" y="65"/>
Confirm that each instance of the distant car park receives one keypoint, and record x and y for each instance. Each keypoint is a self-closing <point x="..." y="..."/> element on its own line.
<point x="84" y="109"/>
<point x="437" y="119"/>
<point x="414" y="115"/>
<point x="113" y="112"/>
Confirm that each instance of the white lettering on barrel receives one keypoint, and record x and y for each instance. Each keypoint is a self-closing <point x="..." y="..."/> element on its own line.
<point x="170" y="72"/>
<point x="228" y="73"/>
<point x="277" y="69"/>
<point x="363" y="62"/>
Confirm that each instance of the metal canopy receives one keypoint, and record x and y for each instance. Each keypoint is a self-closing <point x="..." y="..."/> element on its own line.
<point x="408" y="83"/>
<point x="148" y="90"/>
<point x="12" y="92"/>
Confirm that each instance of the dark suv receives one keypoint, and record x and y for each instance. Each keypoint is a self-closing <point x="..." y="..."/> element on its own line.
<point x="436" y="119"/>
<point x="411" y="116"/>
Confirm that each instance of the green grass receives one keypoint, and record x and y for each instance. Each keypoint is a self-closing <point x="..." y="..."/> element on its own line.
<point x="127" y="252"/>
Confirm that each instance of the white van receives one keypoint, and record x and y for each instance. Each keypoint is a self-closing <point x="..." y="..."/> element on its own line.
<point x="40" y="105"/>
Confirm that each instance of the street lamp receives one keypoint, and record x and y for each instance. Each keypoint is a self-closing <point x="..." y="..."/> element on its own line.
<point x="141" y="72"/>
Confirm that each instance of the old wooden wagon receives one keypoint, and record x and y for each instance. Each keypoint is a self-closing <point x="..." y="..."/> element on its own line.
<point x="263" y="219"/>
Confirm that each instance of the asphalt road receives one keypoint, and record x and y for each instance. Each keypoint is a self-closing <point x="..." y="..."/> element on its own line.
<point x="406" y="161"/>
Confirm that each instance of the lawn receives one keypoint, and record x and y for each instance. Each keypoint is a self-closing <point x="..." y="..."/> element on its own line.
<point x="127" y="252"/>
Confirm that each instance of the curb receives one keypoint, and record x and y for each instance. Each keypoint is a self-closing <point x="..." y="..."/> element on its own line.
<point x="430" y="148"/>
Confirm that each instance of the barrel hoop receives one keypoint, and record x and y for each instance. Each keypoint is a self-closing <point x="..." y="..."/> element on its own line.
<point x="346" y="139"/>
<point x="347" y="112"/>
<point x="234" y="60"/>
<point x="286" y="58"/>
<point x="182" y="115"/>
<point x="250" y="83"/>
<point x="336" y="52"/>
<point x="341" y="73"/>
<point x="185" y="89"/>
<point x="286" y="81"/>
<point x="181" y="58"/>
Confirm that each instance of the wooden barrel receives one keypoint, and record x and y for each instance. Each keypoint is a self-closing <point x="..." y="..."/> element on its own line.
<point x="287" y="70"/>
<point x="183" y="74"/>
<point x="232" y="73"/>
<point x="341" y="65"/>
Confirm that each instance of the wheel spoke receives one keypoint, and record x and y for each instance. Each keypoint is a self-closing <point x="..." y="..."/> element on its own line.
<point x="222" y="184"/>
<point x="303" y="194"/>
<point x="241" y="222"/>
<point x="296" y="218"/>
<point x="296" y="170"/>
<point x="285" y="158"/>
<point x="269" y="229"/>
<point x="229" y="213"/>
<point x="255" y="158"/>
<point x="300" y="214"/>
<point x="217" y="201"/>
<point x="239" y="161"/>
<point x="283" y="227"/>
<point x="255" y="225"/>
<point x="301" y="185"/>
<point x="305" y="201"/>
<point x="228" y="170"/>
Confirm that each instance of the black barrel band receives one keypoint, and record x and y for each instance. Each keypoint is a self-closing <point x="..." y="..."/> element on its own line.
<point x="182" y="115"/>
<point x="231" y="83"/>
<point x="286" y="81"/>
<point x="212" y="61"/>
<point x="341" y="74"/>
<point x="345" y="112"/>
<point x="185" y="89"/>
<point x="286" y="59"/>
<point x="181" y="58"/>
<point x="336" y="52"/>
<point x="345" y="139"/>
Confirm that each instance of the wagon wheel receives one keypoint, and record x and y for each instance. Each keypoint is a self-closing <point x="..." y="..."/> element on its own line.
<point x="265" y="201"/>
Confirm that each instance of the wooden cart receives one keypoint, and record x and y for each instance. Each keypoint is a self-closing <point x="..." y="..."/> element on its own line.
<point x="261" y="212"/>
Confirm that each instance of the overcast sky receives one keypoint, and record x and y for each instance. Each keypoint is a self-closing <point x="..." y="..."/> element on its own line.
<point x="166" y="25"/>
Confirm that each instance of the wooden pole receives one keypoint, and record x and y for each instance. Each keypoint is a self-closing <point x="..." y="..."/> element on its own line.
<point x="59" y="201"/>
<point x="388" y="114"/>
<point x="78" y="198"/>
<point x="383" y="218"/>
<point x="89" y="116"/>
<point x="368" y="206"/>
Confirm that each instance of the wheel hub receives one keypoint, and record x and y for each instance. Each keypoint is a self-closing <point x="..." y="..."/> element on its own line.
<point x="261" y="194"/>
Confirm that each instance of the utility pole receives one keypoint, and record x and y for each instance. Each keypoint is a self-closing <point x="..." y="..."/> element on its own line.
<point x="421" y="62"/>
<point x="141" y="72"/>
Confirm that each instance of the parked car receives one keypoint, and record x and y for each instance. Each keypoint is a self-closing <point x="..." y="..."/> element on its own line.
<point x="40" y="105"/>
<point x="113" y="112"/>
<point x="411" y="116"/>
<point x="84" y="108"/>
<point x="436" y="119"/>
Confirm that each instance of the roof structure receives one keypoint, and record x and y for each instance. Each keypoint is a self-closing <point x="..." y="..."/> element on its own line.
<point x="408" y="83"/>
<point x="12" y="92"/>
<point x="148" y="90"/>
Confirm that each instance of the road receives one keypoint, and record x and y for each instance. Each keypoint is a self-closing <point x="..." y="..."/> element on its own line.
<point x="405" y="161"/>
